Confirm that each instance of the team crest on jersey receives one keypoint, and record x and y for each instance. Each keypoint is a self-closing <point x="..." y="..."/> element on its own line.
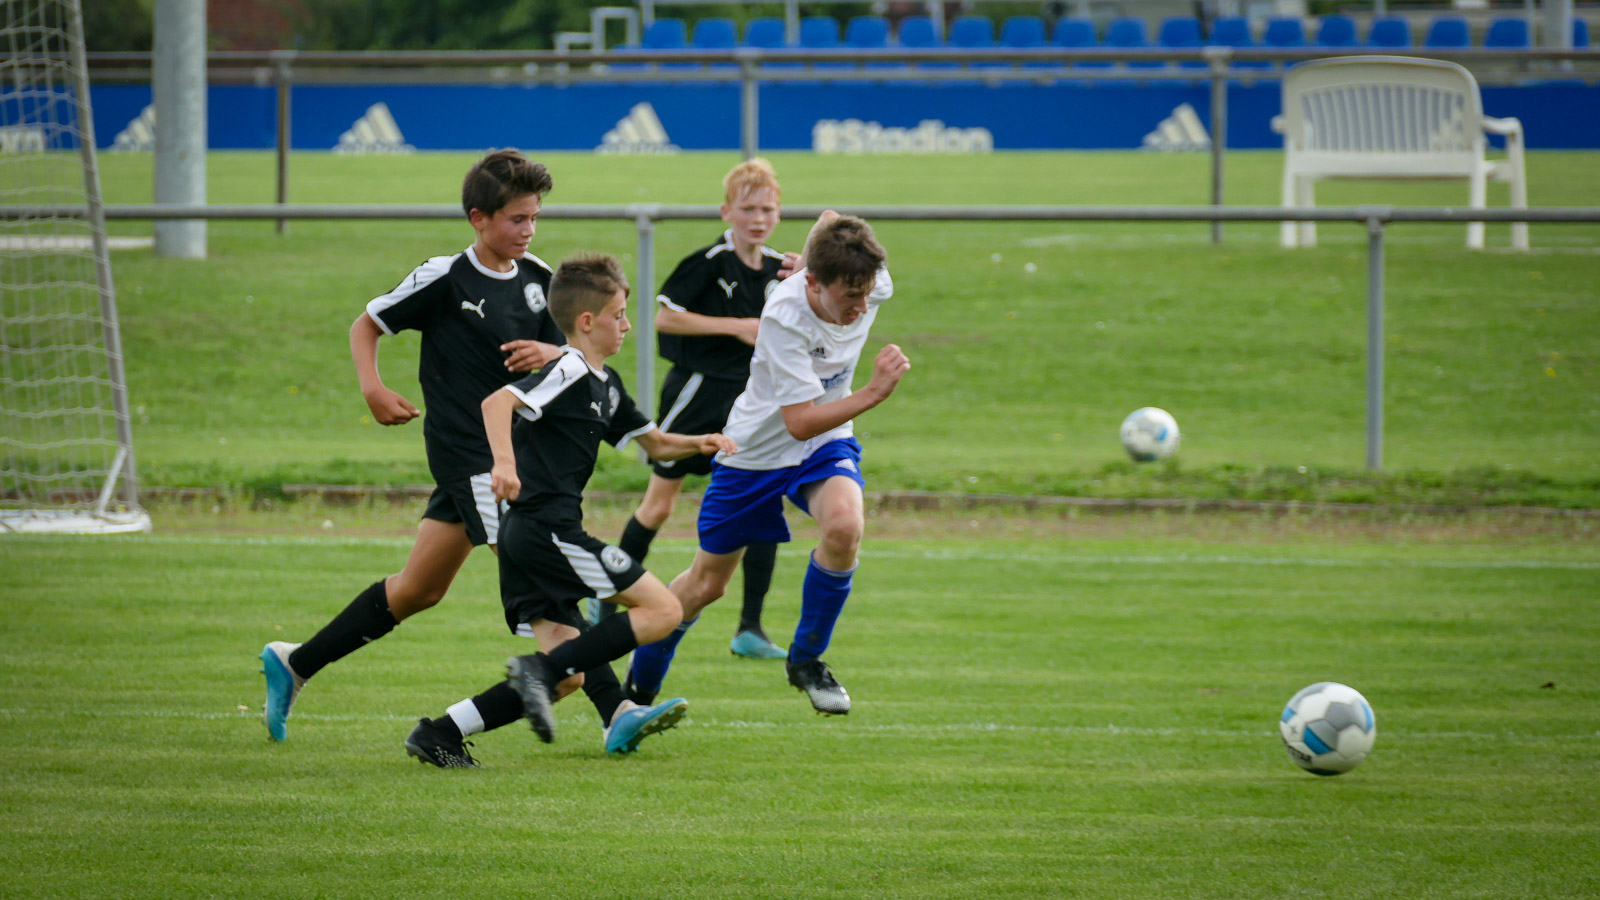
<point x="535" y="297"/>
<point x="615" y="397"/>
<point x="615" y="559"/>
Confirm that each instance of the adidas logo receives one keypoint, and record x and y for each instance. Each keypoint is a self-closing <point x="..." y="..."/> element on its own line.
<point x="140" y="135"/>
<point x="375" y="132"/>
<point x="1180" y="131"/>
<point x="640" y="131"/>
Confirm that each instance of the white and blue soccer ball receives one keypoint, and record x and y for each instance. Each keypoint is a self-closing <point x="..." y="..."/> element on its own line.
<point x="1149" y="434"/>
<point x="1328" y="728"/>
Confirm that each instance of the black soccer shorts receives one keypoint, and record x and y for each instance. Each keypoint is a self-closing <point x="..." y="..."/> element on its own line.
<point x="470" y="502"/>
<point x="545" y="572"/>
<point x="694" y="404"/>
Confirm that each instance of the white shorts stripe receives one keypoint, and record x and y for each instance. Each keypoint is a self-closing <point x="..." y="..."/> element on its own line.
<point x="488" y="507"/>
<point x="588" y="568"/>
<point x="690" y="387"/>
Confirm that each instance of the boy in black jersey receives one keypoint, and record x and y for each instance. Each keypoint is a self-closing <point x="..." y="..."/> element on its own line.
<point x="483" y="321"/>
<point x="707" y="315"/>
<point x="545" y="431"/>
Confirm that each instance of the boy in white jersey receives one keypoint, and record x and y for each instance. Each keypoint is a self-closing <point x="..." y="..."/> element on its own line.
<point x="793" y="428"/>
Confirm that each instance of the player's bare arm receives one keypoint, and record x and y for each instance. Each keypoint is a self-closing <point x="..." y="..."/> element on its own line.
<point x="497" y="410"/>
<point x="388" y="407"/>
<point x="805" y="421"/>
<point x="529" y="356"/>
<point x="681" y="321"/>
<point x="666" y="445"/>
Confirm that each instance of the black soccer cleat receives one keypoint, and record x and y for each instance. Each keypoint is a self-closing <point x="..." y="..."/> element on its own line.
<point x="827" y="695"/>
<point x="430" y="743"/>
<point x="533" y="680"/>
<point x="637" y="694"/>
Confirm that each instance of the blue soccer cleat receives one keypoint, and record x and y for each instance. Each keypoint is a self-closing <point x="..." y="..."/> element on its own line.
<point x="634" y="725"/>
<point x="283" y="686"/>
<point x="751" y="645"/>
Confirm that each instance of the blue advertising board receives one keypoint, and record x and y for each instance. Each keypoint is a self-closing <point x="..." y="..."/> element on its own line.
<point x="840" y="117"/>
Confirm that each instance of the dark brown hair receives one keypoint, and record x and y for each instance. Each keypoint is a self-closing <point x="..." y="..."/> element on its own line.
<point x="584" y="283"/>
<point x="844" y="251"/>
<point x="501" y="177"/>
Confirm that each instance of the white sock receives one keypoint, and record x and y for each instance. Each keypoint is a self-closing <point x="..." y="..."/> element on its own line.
<point x="622" y="708"/>
<point x="466" y="716"/>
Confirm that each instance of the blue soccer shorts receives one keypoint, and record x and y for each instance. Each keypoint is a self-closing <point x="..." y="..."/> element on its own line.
<point x="745" y="506"/>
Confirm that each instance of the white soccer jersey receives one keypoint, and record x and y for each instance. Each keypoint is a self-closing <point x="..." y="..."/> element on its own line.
<point x="798" y="357"/>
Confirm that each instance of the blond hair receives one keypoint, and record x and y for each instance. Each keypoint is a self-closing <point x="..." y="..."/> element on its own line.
<point x="748" y="177"/>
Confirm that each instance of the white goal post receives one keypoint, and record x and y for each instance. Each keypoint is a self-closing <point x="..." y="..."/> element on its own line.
<point x="66" y="444"/>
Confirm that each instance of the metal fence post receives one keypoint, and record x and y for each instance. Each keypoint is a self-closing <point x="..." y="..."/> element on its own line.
<point x="282" y="77"/>
<point x="644" y="390"/>
<point x="749" y="106"/>
<point x="1375" y="341"/>
<point x="1218" y="59"/>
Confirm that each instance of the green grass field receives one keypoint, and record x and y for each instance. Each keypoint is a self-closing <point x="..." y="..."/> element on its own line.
<point x="1044" y="707"/>
<point x="1049" y="701"/>
<point x="240" y="373"/>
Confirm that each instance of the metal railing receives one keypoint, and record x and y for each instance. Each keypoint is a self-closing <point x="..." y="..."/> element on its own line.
<point x="1376" y="220"/>
<point x="285" y="68"/>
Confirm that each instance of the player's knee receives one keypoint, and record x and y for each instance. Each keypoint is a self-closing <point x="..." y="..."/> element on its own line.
<point x="842" y="538"/>
<point x="653" y="513"/>
<point x="656" y="621"/>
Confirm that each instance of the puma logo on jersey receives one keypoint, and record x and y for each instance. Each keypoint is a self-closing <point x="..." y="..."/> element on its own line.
<point x="595" y="405"/>
<point x="727" y="288"/>
<point x="475" y="307"/>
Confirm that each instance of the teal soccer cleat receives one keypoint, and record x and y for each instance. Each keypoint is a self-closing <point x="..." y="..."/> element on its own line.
<point x="750" y="645"/>
<point x="283" y="686"/>
<point x="634" y="725"/>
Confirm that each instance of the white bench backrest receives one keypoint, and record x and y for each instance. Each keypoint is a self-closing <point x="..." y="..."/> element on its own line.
<point x="1382" y="116"/>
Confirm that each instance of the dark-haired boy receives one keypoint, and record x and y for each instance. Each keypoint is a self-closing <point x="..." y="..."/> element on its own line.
<point x="793" y="427"/>
<point x="483" y="318"/>
<point x="545" y="431"/>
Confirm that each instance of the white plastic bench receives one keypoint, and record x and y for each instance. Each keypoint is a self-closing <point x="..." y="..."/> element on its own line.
<point x="1392" y="117"/>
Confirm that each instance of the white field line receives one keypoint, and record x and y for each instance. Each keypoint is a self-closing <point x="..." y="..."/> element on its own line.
<point x="738" y="725"/>
<point x="965" y="555"/>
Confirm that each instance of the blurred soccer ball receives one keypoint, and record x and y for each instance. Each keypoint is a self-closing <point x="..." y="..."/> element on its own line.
<point x="1150" y="433"/>
<point x="1328" y="728"/>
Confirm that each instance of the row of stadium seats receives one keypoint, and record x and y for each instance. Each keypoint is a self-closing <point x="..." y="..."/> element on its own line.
<point x="977" y="32"/>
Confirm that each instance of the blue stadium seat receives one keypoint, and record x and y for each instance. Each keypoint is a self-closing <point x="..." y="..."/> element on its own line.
<point x="1580" y="34"/>
<point x="974" y="33"/>
<point x="766" y="33"/>
<point x="1507" y="33"/>
<point x="1284" y="31"/>
<point x="1234" y="31"/>
<point x="819" y="32"/>
<point x="1076" y="34"/>
<point x="1181" y="32"/>
<point x="1025" y="32"/>
<point x="1448" y="33"/>
<point x="867" y="32"/>
<point x="1130" y="34"/>
<point x="665" y="34"/>
<point x="916" y="33"/>
<point x="1389" y="32"/>
<point x="716" y="33"/>
<point x="1335" y="31"/>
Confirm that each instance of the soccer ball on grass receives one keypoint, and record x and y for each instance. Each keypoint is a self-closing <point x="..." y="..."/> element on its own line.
<point x="1328" y="728"/>
<point x="1150" y="434"/>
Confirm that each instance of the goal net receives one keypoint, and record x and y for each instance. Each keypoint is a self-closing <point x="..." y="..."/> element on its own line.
<point x="66" y="446"/>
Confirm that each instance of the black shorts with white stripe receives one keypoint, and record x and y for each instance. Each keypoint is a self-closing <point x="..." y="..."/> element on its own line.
<point x="470" y="502"/>
<point x="691" y="403"/>
<point x="544" y="572"/>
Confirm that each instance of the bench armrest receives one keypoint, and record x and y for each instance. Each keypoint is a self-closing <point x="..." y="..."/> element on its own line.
<point x="1279" y="123"/>
<point x="1507" y="126"/>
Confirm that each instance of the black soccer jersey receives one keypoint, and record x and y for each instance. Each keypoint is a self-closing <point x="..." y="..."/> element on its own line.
<point x="712" y="281"/>
<point x="465" y="311"/>
<point x="569" y="409"/>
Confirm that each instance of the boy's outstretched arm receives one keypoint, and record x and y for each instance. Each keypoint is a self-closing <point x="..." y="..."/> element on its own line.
<point x="681" y="321"/>
<point x="497" y="410"/>
<point x="388" y="407"/>
<point x="667" y="445"/>
<point x="529" y="355"/>
<point x="805" y="421"/>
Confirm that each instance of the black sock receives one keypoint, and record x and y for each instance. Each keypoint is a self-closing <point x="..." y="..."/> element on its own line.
<point x="611" y="639"/>
<point x="366" y="619"/>
<point x="759" y="561"/>
<point x="636" y="539"/>
<point x="499" y="706"/>
<point x="601" y="686"/>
